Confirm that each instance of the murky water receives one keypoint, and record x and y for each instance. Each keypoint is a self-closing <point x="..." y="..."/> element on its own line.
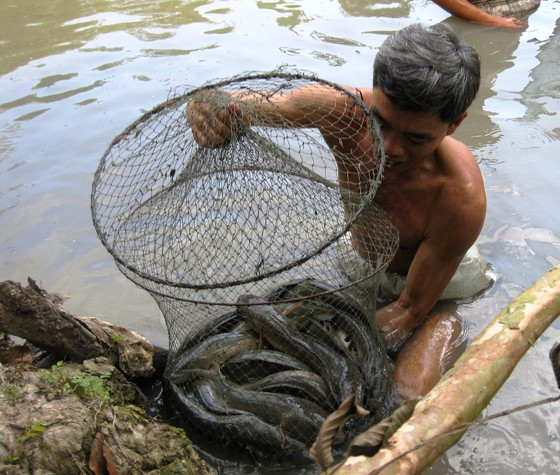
<point x="74" y="74"/>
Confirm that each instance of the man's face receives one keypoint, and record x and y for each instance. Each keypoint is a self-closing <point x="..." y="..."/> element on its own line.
<point x="409" y="137"/>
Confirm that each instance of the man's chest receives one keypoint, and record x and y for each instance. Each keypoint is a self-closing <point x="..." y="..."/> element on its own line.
<point x="411" y="208"/>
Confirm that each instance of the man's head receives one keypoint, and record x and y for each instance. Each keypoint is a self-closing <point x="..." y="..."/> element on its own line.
<point x="428" y="70"/>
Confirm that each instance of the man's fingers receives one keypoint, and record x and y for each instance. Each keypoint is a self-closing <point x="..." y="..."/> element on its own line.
<point x="213" y="126"/>
<point x="238" y="112"/>
<point x="515" y="23"/>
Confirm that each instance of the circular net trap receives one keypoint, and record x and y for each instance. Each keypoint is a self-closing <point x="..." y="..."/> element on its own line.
<point x="261" y="252"/>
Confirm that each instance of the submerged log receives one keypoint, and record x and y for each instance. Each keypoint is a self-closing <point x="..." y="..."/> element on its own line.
<point x="467" y="388"/>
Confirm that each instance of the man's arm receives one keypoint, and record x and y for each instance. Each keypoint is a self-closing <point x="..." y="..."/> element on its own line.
<point x="319" y="106"/>
<point x="459" y="216"/>
<point x="216" y="116"/>
<point x="466" y="10"/>
<point x="429" y="275"/>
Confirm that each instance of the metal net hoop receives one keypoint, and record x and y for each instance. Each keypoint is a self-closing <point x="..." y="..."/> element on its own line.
<point x="184" y="221"/>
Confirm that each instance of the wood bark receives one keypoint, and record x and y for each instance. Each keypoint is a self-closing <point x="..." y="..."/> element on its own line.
<point x="468" y="387"/>
<point x="37" y="316"/>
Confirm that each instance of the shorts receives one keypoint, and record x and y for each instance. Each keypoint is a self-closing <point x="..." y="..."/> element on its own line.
<point x="472" y="276"/>
<point x="507" y="8"/>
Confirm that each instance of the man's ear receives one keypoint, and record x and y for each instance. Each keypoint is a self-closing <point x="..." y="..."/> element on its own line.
<point x="453" y="127"/>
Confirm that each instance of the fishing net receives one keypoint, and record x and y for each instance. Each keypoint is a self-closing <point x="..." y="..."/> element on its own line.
<point x="261" y="252"/>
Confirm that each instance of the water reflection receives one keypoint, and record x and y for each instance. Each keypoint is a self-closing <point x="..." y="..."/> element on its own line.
<point x="497" y="54"/>
<point x="545" y="82"/>
<point x="34" y="29"/>
<point x="291" y="13"/>
<point x="380" y="8"/>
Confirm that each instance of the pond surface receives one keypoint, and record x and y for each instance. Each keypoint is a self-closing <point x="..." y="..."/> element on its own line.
<point x="73" y="75"/>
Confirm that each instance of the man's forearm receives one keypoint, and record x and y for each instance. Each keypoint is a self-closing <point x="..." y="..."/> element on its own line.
<point x="466" y="10"/>
<point x="396" y="323"/>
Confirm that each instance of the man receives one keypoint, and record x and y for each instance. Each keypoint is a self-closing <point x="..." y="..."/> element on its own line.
<point x="424" y="80"/>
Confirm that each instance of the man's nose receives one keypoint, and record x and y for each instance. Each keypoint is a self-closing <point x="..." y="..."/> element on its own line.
<point x="392" y="143"/>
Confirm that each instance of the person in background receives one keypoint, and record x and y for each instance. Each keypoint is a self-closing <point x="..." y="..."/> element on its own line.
<point x="504" y="13"/>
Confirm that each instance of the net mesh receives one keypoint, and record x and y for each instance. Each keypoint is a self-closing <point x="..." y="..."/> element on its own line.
<point x="262" y="254"/>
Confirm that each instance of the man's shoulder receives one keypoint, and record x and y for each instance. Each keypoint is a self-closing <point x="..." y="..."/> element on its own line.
<point x="460" y="165"/>
<point x="450" y="147"/>
<point x="462" y="201"/>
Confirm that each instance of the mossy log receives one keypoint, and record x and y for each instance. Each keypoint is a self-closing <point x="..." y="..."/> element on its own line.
<point x="468" y="387"/>
<point x="38" y="317"/>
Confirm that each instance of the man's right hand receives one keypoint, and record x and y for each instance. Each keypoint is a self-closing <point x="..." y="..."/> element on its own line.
<point x="215" y="118"/>
<point x="511" y="23"/>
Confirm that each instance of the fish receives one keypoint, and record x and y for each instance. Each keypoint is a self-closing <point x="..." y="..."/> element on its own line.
<point x="304" y="384"/>
<point x="367" y="349"/>
<point x="244" y="429"/>
<point x="256" y="364"/>
<point x="287" y="291"/>
<point x="342" y="376"/>
<point x="226" y="322"/>
<point x="216" y="349"/>
<point x="325" y="333"/>
<point x="205" y="393"/>
<point x="350" y="331"/>
<point x="297" y="416"/>
<point x="338" y="299"/>
<point x="308" y="308"/>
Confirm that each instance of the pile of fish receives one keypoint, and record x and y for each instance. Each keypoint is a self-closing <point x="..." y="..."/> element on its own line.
<point x="266" y="375"/>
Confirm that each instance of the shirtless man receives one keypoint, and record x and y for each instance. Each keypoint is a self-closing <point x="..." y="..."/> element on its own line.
<point x="424" y="80"/>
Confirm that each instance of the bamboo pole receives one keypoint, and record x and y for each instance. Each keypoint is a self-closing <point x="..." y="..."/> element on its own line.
<point x="467" y="388"/>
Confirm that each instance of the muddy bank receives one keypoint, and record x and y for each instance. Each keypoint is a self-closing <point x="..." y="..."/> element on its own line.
<point x="70" y="397"/>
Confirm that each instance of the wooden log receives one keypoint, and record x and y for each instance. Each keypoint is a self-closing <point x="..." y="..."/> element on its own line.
<point x="468" y="387"/>
<point x="36" y="316"/>
<point x="33" y="314"/>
